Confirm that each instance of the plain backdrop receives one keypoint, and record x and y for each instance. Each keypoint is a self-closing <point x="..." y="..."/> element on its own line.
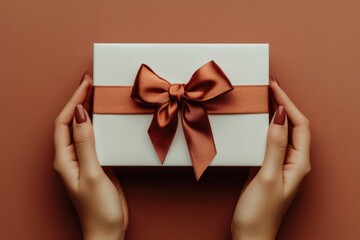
<point x="46" y="45"/>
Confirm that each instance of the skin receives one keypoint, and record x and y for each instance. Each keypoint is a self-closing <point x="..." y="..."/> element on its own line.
<point x="99" y="200"/>
<point x="269" y="190"/>
<point x="94" y="191"/>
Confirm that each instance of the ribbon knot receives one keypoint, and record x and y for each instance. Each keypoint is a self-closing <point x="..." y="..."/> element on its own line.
<point x="208" y="82"/>
<point x="176" y="92"/>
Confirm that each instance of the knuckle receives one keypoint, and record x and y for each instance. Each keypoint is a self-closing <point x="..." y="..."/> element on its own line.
<point x="93" y="177"/>
<point x="80" y="140"/>
<point x="56" y="166"/>
<point x="303" y="171"/>
<point x="306" y="122"/>
<point x="277" y="138"/>
<point x="237" y="222"/>
<point x="267" y="179"/>
<point x="115" y="219"/>
<point x="279" y="141"/>
<point x="307" y="170"/>
<point x="83" y="136"/>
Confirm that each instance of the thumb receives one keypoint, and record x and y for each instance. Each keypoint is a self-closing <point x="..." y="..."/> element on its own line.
<point x="277" y="142"/>
<point x="84" y="142"/>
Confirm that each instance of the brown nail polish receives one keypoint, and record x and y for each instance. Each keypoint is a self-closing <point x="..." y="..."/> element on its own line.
<point x="80" y="116"/>
<point x="83" y="77"/>
<point x="273" y="105"/>
<point x="280" y="116"/>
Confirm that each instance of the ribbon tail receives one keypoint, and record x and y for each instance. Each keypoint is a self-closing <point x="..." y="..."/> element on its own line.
<point x="198" y="136"/>
<point x="163" y="128"/>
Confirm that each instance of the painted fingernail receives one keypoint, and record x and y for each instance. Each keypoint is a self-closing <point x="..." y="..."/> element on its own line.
<point x="80" y="116"/>
<point x="273" y="78"/>
<point x="273" y="105"/>
<point x="84" y="76"/>
<point x="280" y="116"/>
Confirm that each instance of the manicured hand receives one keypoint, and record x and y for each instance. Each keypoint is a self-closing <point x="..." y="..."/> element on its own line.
<point x="95" y="193"/>
<point x="270" y="190"/>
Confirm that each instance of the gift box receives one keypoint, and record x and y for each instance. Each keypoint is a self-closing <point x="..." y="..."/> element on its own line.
<point x="194" y="105"/>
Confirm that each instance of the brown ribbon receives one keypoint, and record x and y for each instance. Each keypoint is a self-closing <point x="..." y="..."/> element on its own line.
<point x="208" y="90"/>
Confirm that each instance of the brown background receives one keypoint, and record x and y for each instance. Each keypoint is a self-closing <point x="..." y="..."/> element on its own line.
<point x="46" y="45"/>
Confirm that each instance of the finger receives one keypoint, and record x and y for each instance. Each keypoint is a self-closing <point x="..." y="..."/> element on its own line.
<point x="273" y="104"/>
<point x="301" y="128"/>
<point x="277" y="141"/>
<point x="84" y="143"/>
<point x="88" y="101"/>
<point x="297" y="168"/>
<point x="62" y="137"/>
<point x="67" y="169"/>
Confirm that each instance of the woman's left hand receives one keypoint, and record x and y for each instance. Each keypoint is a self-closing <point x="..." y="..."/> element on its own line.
<point x="270" y="190"/>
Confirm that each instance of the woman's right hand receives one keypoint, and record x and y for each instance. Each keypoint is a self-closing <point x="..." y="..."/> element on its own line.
<point x="95" y="192"/>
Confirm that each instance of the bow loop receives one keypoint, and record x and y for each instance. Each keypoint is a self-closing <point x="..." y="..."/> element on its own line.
<point x="149" y="88"/>
<point x="208" y="82"/>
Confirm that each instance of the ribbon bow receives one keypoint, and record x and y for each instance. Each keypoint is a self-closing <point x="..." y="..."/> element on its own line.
<point x="208" y="82"/>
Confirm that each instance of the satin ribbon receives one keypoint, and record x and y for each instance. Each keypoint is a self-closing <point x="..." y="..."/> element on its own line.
<point x="207" y="83"/>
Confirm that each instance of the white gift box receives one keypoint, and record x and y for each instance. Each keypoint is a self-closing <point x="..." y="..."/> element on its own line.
<point x="122" y="139"/>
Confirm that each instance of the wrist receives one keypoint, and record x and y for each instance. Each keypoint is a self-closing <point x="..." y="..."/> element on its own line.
<point x="254" y="233"/>
<point x="98" y="229"/>
<point x="255" y="236"/>
<point x="104" y="235"/>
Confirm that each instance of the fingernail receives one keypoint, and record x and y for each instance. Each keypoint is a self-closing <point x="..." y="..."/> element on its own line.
<point x="280" y="116"/>
<point x="273" y="105"/>
<point x="84" y="76"/>
<point x="273" y="78"/>
<point x="80" y="116"/>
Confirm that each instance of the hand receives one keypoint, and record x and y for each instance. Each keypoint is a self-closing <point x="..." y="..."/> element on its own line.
<point x="96" y="195"/>
<point x="269" y="191"/>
